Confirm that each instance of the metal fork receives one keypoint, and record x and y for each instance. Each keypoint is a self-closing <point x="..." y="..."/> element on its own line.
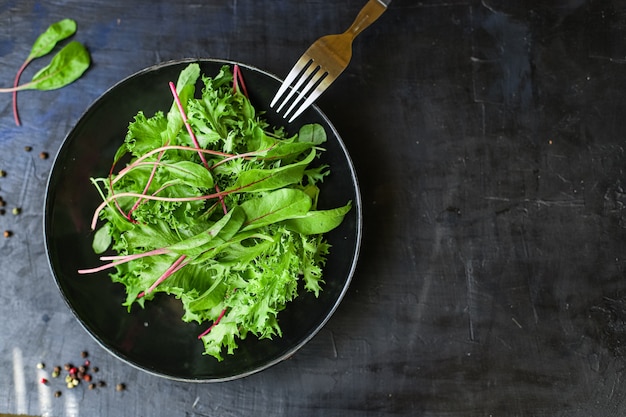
<point x="322" y="63"/>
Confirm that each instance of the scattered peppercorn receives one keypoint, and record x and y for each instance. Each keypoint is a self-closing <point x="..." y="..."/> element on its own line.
<point x="2" y="202"/>
<point x="28" y="148"/>
<point x="76" y="374"/>
<point x="43" y="155"/>
<point x="8" y="233"/>
<point x="84" y="354"/>
<point x="2" y="212"/>
<point x="3" y="173"/>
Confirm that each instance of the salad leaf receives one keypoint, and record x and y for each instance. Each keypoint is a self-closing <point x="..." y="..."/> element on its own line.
<point x="318" y="221"/>
<point x="66" y="67"/>
<point x="55" y="33"/>
<point x="221" y="214"/>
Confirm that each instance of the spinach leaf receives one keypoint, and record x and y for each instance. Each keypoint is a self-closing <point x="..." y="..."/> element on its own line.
<point x="318" y="221"/>
<point x="54" y="34"/>
<point x="67" y="66"/>
<point x="313" y="133"/>
<point x="277" y="206"/>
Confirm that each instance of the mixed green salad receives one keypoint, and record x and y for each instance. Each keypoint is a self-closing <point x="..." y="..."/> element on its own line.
<point x="217" y="208"/>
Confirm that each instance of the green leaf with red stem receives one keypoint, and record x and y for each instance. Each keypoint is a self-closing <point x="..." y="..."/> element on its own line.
<point x="66" y="67"/>
<point x="316" y="222"/>
<point x="222" y="230"/>
<point x="42" y="46"/>
<point x="274" y="207"/>
<point x="255" y="180"/>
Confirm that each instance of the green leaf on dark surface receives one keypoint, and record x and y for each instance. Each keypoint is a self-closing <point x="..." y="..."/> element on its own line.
<point x="313" y="133"/>
<point x="55" y="33"/>
<point x="66" y="67"/>
<point x="102" y="238"/>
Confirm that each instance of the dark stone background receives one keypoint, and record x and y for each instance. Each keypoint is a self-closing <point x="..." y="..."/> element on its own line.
<point x="488" y="137"/>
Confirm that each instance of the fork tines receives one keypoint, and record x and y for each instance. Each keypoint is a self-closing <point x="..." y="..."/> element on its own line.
<point x="309" y="79"/>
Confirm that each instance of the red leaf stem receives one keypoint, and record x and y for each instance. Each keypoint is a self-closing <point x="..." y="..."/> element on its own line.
<point x="176" y="266"/>
<point x="140" y="160"/>
<point x="94" y="219"/>
<point x="221" y="198"/>
<point x="243" y="155"/>
<point x="16" y="115"/>
<point x="238" y="81"/>
<point x="160" y="251"/>
<point x="117" y="203"/>
<point x="121" y="259"/>
<point x="106" y="202"/>
<point x="215" y="323"/>
<point x="187" y="125"/>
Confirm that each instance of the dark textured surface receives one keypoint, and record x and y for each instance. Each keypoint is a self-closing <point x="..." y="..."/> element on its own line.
<point x="488" y="137"/>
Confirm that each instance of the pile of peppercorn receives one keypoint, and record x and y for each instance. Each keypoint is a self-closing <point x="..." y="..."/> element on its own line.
<point x="75" y="375"/>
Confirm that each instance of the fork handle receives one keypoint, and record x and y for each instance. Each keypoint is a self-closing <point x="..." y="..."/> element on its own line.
<point x="368" y="14"/>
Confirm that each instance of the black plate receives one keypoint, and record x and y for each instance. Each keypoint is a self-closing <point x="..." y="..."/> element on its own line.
<point x="155" y="339"/>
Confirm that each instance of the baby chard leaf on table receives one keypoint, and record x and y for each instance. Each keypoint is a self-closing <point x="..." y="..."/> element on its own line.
<point x="42" y="46"/>
<point x="54" y="34"/>
<point x="67" y="66"/>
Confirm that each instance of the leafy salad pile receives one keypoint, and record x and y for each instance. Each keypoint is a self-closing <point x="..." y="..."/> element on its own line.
<point x="216" y="208"/>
